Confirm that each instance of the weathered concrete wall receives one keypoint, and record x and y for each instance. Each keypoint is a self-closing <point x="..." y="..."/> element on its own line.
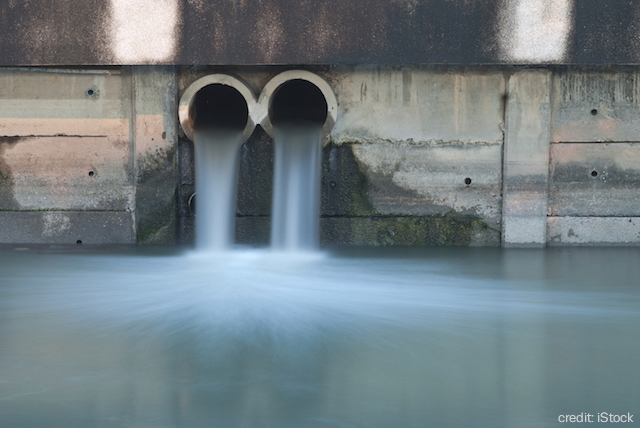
<point x="156" y="140"/>
<point x="419" y="155"/>
<point x="417" y="136"/>
<point x="78" y="151"/>
<point x="594" y="173"/>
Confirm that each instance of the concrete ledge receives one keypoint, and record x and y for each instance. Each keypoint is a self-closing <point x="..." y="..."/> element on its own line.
<point x="67" y="227"/>
<point x="593" y="231"/>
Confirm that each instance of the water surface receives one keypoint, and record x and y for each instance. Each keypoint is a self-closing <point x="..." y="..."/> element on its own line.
<point x="164" y="337"/>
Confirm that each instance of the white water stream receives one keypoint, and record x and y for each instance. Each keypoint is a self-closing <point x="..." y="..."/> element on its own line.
<point x="217" y="156"/>
<point x="296" y="187"/>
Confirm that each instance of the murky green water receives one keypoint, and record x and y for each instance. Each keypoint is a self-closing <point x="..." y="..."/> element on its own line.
<point x="352" y="338"/>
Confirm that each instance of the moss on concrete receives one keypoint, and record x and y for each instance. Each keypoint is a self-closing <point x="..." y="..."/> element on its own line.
<point x="156" y="201"/>
<point x="345" y="186"/>
<point x="448" y="230"/>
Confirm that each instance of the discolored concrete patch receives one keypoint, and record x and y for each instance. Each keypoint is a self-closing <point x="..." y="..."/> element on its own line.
<point x="594" y="179"/>
<point x="67" y="227"/>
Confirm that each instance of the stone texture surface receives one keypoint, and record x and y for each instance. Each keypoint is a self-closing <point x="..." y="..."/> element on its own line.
<point x="526" y="159"/>
<point x="594" y="179"/>
<point x="67" y="227"/>
<point x="593" y="231"/>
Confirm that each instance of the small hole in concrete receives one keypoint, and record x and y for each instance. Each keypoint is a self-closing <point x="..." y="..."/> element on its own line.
<point x="594" y="112"/>
<point x="91" y="92"/>
<point x="594" y="173"/>
<point x="332" y="184"/>
<point x="78" y="242"/>
<point x="91" y="173"/>
<point x="467" y="181"/>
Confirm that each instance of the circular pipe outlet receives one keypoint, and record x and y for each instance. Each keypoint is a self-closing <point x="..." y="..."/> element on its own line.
<point x="297" y="95"/>
<point x="217" y="101"/>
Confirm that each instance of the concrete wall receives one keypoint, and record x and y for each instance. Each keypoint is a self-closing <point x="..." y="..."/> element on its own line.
<point x="419" y="155"/>
<point x="87" y="156"/>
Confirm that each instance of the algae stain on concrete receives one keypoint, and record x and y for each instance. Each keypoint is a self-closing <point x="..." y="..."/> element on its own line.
<point x="156" y="201"/>
<point x="345" y="186"/>
<point x="362" y="206"/>
<point x="159" y="229"/>
<point x="448" y="230"/>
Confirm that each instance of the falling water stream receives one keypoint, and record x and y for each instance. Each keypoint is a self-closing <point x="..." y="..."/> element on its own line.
<point x="217" y="155"/>
<point x="296" y="187"/>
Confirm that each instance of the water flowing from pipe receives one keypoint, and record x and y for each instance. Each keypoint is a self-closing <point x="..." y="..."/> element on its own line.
<point x="217" y="156"/>
<point x="296" y="187"/>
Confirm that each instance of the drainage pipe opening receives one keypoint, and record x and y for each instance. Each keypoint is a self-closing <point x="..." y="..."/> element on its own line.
<point x="297" y="96"/>
<point x="217" y="101"/>
<point x="219" y="106"/>
<point x="298" y="101"/>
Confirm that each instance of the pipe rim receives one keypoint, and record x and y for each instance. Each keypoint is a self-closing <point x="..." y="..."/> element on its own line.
<point x="272" y="86"/>
<point x="189" y="95"/>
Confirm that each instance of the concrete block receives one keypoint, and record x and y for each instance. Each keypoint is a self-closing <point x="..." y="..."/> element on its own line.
<point x="418" y="104"/>
<point x="526" y="159"/>
<point x="65" y="173"/>
<point x="595" y="105"/>
<point x="594" y="179"/>
<point x="593" y="231"/>
<point x="67" y="227"/>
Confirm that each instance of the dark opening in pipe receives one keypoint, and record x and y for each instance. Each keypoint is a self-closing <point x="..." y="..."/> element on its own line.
<point x="298" y="100"/>
<point x="219" y="106"/>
